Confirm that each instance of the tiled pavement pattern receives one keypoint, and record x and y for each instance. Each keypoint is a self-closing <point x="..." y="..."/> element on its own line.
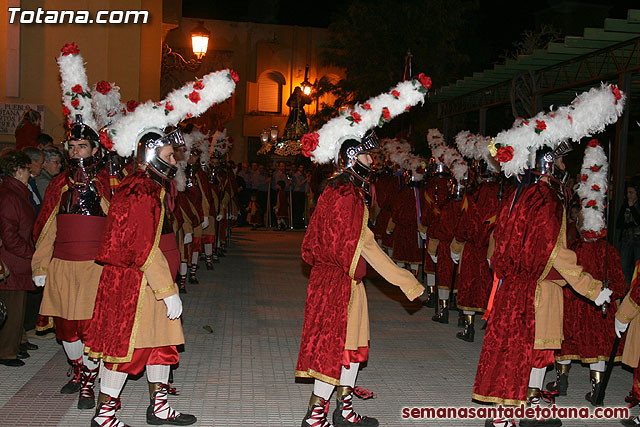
<point x="241" y="374"/>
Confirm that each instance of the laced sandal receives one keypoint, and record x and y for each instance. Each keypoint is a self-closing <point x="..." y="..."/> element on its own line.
<point x="106" y="412"/>
<point x="87" y="397"/>
<point x="345" y="416"/>
<point x="159" y="412"/>
<point x="317" y="413"/>
<point x="75" y="383"/>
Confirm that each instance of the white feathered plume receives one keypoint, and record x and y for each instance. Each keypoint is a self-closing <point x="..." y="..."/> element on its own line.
<point x="447" y="155"/>
<point x="323" y="146"/>
<point x="587" y="115"/>
<point x="76" y="95"/>
<point x="191" y="100"/>
<point x="592" y="190"/>
<point x="106" y="103"/>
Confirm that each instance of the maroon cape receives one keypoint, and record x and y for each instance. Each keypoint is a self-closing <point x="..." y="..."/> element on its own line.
<point x="443" y="229"/>
<point x="405" y="216"/>
<point x="474" y="278"/>
<point x="131" y="237"/>
<point x="331" y="247"/>
<point x="589" y="336"/>
<point x="524" y="244"/>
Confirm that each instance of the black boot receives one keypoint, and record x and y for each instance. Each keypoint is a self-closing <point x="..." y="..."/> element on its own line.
<point x="106" y="412"/>
<point x="192" y="275"/>
<point x="535" y="398"/>
<point x="159" y="412"/>
<point x="87" y="398"/>
<point x="443" y="312"/>
<point x="592" y="396"/>
<point x="469" y="331"/>
<point x="631" y="422"/>
<point x="344" y="415"/>
<point x="317" y="413"/>
<point x="431" y="300"/>
<point x="454" y="301"/>
<point x="561" y="384"/>
<point x="182" y="284"/>
<point x="75" y="383"/>
<point x="461" y="320"/>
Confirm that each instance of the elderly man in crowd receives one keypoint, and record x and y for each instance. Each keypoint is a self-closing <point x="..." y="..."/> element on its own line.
<point x="50" y="168"/>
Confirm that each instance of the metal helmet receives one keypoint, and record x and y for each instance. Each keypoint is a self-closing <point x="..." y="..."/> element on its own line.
<point x="351" y="147"/>
<point x="150" y="142"/>
<point x="437" y="168"/>
<point x="84" y="168"/>
<point x="543" y="162"/>
<point x="458" y="188"/>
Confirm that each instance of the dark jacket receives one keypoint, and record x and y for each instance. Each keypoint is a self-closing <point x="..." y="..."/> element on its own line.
<point x="17" y="216"/>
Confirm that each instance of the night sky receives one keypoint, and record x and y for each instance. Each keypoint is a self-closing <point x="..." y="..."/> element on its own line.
<point x="501" y="22"/>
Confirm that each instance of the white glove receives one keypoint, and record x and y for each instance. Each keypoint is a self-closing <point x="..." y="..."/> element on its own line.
<point x="188" y="238"/>
<point x="455" y="257"/>
<point x="423" y="235"/>
<point x="605" y="296"/>
<point x="219" y="218"/>
<point x="621" y="328"/>
<point x="174" y="306"/>
<point x="234" y="217"/>
<point x="205" y="223"/>
<point x="40" y="280"/>
<point x="434" y="258"/>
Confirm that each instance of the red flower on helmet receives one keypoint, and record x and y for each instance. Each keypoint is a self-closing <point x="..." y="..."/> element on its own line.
<point x="77" y="89"/>
<point x="595" y="168"/>
<point x="65" y="110"/>
<point x="540" y="126"/>
<point x="424" y="80"/>
<point x="583" y="178"/>
<point x="395" y="94"/>
<point x="595" y="187"/>
<point x="168" y="106"/>
<point x="591" y="204"/>
<point x="75" y="103"/>
<point x="386" y="115"/>
<point x="309" y="143"/>
<point x="594" y="143"/>
<point x="355" y="117"/>
<point x="234" y="76"/>
<point x="504" y="154"/>
<point x="194" y="97"/>
<point x="616" y="92"/>
<point x="105" y="140"/>
<point x="408" y="108"/>
<point x="366" y="106"/>
<point x="70" y="49"/>
<point x="198" y="85"/>
<point x="132" y="105"/>
<point x="103" y="87"/>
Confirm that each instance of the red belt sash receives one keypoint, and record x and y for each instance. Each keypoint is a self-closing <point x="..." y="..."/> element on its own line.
<point x="78" y="237"/>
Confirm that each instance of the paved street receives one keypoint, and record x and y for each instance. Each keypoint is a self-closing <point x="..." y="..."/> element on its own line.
<point x="242" y="373"/>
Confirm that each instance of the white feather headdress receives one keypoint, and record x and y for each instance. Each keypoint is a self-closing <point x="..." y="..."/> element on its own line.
<point x="592" y="190"/>
<point x="76" y="95"/>
<point x="220" y="143"/>
<point x="106" y="103"/>
<point x="323" y="146"/>
<point x="191" y="100"/>
<point x="587" y="115"/>
<point x="447" y="155"/>
<point x="475" y="147"/>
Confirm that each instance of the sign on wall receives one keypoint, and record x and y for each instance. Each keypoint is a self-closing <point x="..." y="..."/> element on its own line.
<point x="11" y="114"/>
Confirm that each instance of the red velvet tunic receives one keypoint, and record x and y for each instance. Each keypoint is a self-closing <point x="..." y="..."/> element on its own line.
<point x="131" y="235"/>
<point x="525" y="240"/>
<point x="443" y="229"/>
<point x="405" y="216"/>
<point x="435" y="194"/>
<point x="474" y="278"/>
<point x="331" y="247"/>
<point x="588" y="336"/>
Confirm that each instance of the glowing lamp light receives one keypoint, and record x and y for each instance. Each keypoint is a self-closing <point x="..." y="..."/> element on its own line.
<point x="306" y="89"/>
<point x="200" y="40"/>
<point x="264" y="136"/>
<point x="274" y="132"/>
<point x="306" y="85"/>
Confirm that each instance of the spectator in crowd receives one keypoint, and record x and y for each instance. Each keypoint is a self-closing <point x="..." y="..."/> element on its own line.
<point x="629" y="223"/>
<point x="299" y="179"/>
<point x="50" y="168"/>
<point x="17" y="216"/>
<point x="261" y="184"/>
<point x="44" y="141"/>
<point x="35" y="169"/>
<point x="28" y="129"/>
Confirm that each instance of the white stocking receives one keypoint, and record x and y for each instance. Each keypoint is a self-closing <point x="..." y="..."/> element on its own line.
<point x="194" y="258"/>
<point x="598" y="366"/>
<point x="564" y="362"/>
<point x="443" y="294"/>
<point x="536" y="378"/>
<point x="89" y="363"/>
<point x="112" y="382"/>
<point x="431" y="279"/>
<point x="208" y="249"/>
<point x="183" y="268"/>
<point x="414" y="267"/>
<point x="322" y="389"/>
<point x="73" y="349"/>
<point x="468" y="312"/>
<point x="158" y="373"/>
<point x="348" y="375"/>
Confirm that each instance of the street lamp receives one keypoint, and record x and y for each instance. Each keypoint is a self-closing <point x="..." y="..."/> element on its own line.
<point x="306" y="85"/>
<point x="273" y="132"/>
<point x="200" y="40"/>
